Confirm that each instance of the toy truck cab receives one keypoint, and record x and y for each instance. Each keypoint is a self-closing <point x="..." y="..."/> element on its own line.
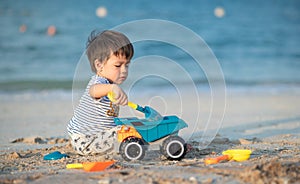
<point x="136" y="135"/>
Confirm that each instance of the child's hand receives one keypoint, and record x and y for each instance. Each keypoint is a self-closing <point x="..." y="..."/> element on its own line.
<point x="119" y="95"/>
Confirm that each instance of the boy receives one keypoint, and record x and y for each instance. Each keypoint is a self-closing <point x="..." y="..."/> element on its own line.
<point x="92" y="128"/>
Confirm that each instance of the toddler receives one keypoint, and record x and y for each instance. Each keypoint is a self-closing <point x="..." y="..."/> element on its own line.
<point x="92" y="128"/>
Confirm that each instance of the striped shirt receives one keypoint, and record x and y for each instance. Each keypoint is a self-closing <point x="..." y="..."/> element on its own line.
<point x="93" y="115"/>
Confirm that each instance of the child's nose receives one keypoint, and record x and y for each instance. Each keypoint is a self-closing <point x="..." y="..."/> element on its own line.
<point x="124" y="69"/>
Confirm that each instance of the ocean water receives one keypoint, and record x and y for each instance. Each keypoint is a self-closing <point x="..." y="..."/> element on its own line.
<point x="256" y="43"/>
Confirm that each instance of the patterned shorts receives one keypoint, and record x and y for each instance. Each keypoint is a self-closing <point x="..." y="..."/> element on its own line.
<point x="101" y="143"/>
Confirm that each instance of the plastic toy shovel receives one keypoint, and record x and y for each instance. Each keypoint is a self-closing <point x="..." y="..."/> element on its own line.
<point x="148" y="111"/>
<point x="238" y="155"/>
<point x="216" y="160"/>
<point x="91" y="166"/>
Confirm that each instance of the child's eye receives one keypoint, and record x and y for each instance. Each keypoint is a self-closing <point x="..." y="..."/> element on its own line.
<point x="117" y="66"/>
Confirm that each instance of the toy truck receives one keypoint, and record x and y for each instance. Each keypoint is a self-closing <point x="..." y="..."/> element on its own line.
<point x="136" y="135"/>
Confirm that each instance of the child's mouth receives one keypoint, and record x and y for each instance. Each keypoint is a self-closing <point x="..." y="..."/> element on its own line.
<point x="122" y="78"/>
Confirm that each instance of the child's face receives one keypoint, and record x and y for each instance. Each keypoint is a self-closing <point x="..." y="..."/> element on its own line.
<point x="115" y="69"/>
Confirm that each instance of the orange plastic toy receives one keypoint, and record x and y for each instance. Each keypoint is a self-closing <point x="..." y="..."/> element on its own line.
<point x="91" y="166"/>
<point x="216" y="159"/>
<point x="127" y="131"/>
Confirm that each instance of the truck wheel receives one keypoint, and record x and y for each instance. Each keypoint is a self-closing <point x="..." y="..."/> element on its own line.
<point x="173" y="148"/>
<point x="132" y="149"/>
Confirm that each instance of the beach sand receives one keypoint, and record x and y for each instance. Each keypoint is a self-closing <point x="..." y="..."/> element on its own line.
<point x="268" y="123"/>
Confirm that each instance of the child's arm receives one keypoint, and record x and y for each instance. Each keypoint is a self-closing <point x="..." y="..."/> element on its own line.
<point x="100" y="90"/>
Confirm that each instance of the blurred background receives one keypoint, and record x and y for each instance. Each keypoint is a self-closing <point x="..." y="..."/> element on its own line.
<point x="256" y="42"/>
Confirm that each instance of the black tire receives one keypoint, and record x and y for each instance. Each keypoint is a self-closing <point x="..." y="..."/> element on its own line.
<point x="173" y="148"/>
<point x="132" y="149"/>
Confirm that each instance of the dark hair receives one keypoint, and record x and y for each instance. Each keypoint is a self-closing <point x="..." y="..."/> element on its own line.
<point x="101" y="45"/>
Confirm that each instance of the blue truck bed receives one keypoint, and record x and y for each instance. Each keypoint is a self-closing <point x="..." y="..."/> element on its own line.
<point x="153" y="130"/>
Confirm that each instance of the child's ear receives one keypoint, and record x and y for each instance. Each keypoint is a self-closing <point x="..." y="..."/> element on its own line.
<point x="98" y="65"/>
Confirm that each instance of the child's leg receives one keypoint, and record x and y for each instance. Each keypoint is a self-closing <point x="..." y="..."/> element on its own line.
<point x="105" y="141"/>
<point x="81" y="143"/>
<point x="101" y="143"/>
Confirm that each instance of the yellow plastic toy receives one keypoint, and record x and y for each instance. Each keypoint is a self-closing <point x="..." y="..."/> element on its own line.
<point x="238" y="155"/>
<point x="130" y="104"/>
